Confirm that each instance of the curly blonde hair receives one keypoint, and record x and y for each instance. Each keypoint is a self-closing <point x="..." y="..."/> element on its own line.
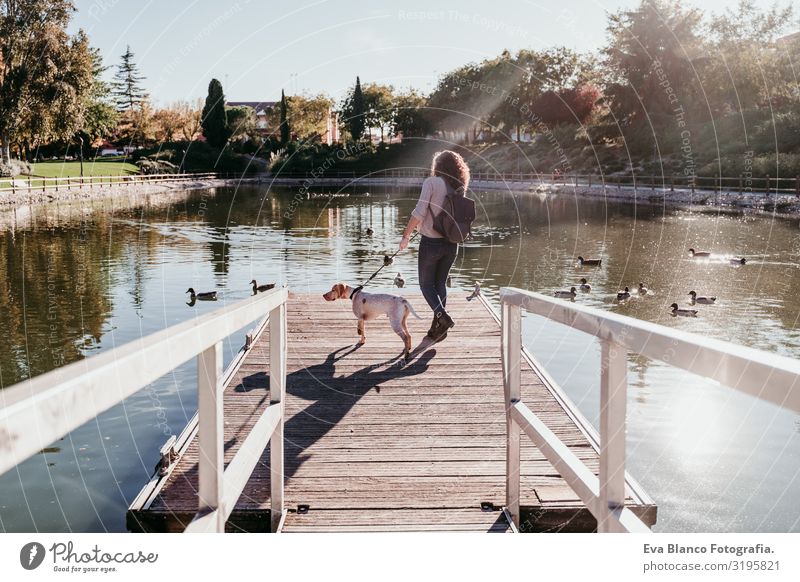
<point x="452" y="168"/>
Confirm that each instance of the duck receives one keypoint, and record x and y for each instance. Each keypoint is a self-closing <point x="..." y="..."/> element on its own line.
<point x="738" y="261"/>
<point x="387" y="260"/>
<point x="683" y="312"/>
<point x="590" y="262"/>
<point x="566" y="294"/>
<point x="369" y="231"/>
<point x="399" y="281"/>
<point x="695" y="253"/>
<point x="643" y="290"/>
<point x="585" y="287"/>
<point x="258" y="288"/>
<point x="626" y="294"/>
<point x="205" y="296"/>
<point x="702" y="300"/>
<point x="475" y="292"/>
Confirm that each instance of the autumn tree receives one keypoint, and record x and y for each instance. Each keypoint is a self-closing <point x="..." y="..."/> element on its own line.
<point x="192" y="114"/>
<point x="571" y="106"/>
<point x="168" y="122"/>
<point x="45" y="73"/>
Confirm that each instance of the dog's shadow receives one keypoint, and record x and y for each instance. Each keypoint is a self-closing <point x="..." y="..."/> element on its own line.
<point x="331" y="396"/>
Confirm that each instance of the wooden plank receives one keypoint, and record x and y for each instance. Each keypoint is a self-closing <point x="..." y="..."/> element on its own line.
<point x="373" y="445"/>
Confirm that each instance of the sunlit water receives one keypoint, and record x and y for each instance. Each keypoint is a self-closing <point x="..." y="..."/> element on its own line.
<point x="74" y="283"/>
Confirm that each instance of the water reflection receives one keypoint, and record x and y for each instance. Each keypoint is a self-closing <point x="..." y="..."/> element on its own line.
<point x="78" y="279"/>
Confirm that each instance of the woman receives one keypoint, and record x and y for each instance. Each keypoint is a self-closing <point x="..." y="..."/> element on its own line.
<point x="449" y="172"/>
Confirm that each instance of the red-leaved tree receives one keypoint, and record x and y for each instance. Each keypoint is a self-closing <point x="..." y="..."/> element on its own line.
<point x="573" y="105"/>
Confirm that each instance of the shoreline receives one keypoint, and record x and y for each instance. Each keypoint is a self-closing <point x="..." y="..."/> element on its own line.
<point x="9" y="201"/>
<point x="776" y="204"/>
<point x="779" y="204"/>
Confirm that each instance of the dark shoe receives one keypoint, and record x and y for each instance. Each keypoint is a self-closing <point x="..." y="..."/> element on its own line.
<point x="445" y="322"/>
<point x="434" y="326"/>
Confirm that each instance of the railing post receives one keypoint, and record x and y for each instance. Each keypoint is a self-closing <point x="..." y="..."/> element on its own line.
<point x="277" y="391"/>
<point x="512" y="359"/>
<point x="613" y="400"/>
<point x="211" y="451"/>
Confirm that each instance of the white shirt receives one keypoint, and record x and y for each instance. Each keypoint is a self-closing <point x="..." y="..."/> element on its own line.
<point x="431" y="199"/>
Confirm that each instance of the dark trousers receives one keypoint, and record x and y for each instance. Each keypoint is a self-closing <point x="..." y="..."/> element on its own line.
<point x="436" y="256"/>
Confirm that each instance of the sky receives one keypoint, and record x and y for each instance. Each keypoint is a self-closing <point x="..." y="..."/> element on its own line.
<point x="256" y="48"/>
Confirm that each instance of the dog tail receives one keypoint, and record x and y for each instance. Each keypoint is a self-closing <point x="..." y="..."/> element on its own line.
<point x="411" y="309"/>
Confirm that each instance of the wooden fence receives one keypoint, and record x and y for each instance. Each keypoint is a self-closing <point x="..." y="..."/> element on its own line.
<point x="35" y="184"/>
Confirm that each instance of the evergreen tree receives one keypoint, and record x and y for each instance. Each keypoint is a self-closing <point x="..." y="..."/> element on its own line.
<point x="127" y="85"/>
<point x="356" y="114"/>
<point x="215" y="118"/>
<point x="284" y="121"/>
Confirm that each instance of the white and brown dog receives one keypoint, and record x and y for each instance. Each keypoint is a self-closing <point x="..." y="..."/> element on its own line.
<point x="371" y="305"/>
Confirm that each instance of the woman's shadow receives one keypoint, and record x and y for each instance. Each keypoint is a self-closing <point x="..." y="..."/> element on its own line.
<point x="332" y="396"/>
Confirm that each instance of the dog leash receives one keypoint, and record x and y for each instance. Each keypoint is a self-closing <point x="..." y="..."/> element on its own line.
<point x="387" y="260"/>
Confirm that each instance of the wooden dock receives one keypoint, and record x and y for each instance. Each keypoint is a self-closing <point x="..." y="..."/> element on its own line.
<point x="375" y="444"/>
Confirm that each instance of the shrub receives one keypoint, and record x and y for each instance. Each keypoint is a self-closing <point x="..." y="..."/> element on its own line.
<point x="14" y="168"/>
<point x="147" y="166"/>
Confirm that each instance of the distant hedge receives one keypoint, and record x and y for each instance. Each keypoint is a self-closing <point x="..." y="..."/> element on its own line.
<point x="196" y="156"/>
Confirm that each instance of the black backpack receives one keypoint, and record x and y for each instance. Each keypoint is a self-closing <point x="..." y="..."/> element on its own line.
<point x="455" y="218"/>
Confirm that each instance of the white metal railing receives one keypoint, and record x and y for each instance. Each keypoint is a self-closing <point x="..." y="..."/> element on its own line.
<point x="37" y="412"/>
<point x="764" y="375"/>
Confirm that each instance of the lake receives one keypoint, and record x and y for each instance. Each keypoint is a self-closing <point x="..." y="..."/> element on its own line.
<point x="77" y="280"/>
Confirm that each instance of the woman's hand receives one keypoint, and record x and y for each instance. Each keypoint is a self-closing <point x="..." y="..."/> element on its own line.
<point x="404" y="243"/>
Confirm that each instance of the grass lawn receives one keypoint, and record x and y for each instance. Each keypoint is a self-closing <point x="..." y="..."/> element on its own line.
<point x="60" y="169"/>
<point x="99" y="167"/>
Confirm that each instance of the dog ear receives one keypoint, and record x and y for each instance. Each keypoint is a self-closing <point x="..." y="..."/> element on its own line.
<point x="340" y="290"/>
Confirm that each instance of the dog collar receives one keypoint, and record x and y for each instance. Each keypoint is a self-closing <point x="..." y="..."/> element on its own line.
<point x="356" y="290"/>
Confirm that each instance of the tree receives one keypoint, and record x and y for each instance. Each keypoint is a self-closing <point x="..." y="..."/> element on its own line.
<point x="410" y="115"/>
<point x="45" y="73"/>
<point x="743" y="64"/>
<point x="241" y="122"/>
<point x="192" y="117"/>
<point x="127" y="85"/>
<point x="308" y="115"/>
<point x="378" y="106"/>
<point x="285" y="133"/>
<point x="214" y="118"/>
<point x="167" y="122"/>
<point x="353" y="112"/>
<point x="649" y="46"/>
<point x="454" y="105"/>
<point x="569" y="106"/>
<point x="100" y="118"/>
